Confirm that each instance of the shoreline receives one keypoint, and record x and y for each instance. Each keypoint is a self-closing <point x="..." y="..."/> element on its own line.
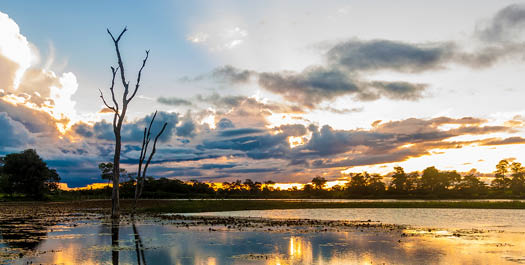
<point x="154" y="206"/>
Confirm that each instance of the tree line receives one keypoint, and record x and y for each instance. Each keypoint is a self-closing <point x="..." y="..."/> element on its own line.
<point x="27" y="174"/>
<point x="508" y="182"/>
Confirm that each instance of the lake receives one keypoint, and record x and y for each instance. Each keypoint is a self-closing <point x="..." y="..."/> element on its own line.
<point x="459" y="236"/>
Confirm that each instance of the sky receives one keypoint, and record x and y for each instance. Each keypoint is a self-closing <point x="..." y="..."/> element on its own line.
<point x="267" y="90"/>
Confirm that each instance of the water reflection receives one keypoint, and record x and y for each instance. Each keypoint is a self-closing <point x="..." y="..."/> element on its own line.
<point x="21" y="235"/>
<point x="115" y="225"/>
<point x="139" y="241"/>
<point x="139" y="247"/>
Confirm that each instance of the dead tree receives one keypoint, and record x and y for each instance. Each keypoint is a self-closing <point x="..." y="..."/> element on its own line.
<point x="141" y="173"/>
<point x="119" y="115"/>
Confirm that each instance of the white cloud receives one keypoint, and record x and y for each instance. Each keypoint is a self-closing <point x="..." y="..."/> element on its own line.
<point x="15" y="47"/>
<point x="23" y="83"/>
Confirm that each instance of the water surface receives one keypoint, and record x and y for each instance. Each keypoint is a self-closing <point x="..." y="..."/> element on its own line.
<point x="484" y="237"/>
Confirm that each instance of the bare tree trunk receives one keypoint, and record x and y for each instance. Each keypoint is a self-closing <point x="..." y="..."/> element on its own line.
<point x="115" y="203"/>
<point x="145" y="142"/>
<point x="118" y="117"/>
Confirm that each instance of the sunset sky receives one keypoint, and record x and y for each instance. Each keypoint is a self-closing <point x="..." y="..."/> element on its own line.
<point x="268" y="90"/>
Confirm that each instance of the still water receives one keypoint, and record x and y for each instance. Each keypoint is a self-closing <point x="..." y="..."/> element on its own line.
<point x="497" y="238"/>
<point x="501" y="219"/>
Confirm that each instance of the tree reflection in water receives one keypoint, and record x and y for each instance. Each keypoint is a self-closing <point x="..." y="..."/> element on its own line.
<point x="139" y="247"/>
<point x="115" y="225"/>
<point x="115" y="246"/>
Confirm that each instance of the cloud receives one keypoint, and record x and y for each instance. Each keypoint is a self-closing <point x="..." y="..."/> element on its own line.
<point x="399" y="90"/>
<point x="293" y="129"/>
<point x="317" y="84"/>
<point x="134" y="131"/>
<point x="358" y="55"/>
<point x="225" y="124"/>
<point x="173" y="101"/>
<point x="15" y="48"/>
<point x="505" y="141"/>
<point x="14" y="134"/>
<point x="348" y="64"/>
<point x="309" y="87"/>
<point x="24" y="83"/>
<point x="231" y="74"/>
<point x="506" y="26"/>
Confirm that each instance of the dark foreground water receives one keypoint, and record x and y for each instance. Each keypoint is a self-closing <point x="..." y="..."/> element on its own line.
<point x="92" y="240"/>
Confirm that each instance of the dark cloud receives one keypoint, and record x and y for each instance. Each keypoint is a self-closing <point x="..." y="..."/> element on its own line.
<point x="509" y="140"/>
<point x="14" y="134"/>
<point x="173" y="101"/>
<point x="240" y="131"/>
<point x="218" y="166"/>
<point x="222" y="101"/>
<point x="253" y="146"/>
<point x="187" y="128"/>
<point x="311" y="86"/>
<point x="399" y="90"/>
<point x="225" y="74"/>
<point x="231" y="74"/>
<point x="505" y="26"/>
<point x="358" y="55"/>
<point x="134" y="131"/>
<point x="225" y="124"/>
<point x="35" y="121"/>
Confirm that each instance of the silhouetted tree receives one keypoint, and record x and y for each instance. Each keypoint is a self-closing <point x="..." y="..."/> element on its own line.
<point x="403" y="182"/>
<point x="357" y="184"/>
<point x="471" y="185"/>
<point x="119" y="115"/>
<point x="399" y="180"/>
<point x="501" y="181"/>
<point x="517" y="183"/>
<point x="308" y="188"/>
<point x="432" y="180"/>
<point x="28" y="174"/>
<point x="253" y="187"/>
<point x="106" y="171"/>
<point x="319" y="182"/>
<point x="374" y="184"/>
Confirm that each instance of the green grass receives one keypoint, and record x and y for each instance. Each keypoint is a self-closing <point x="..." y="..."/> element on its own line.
<point x="193" y="206"/>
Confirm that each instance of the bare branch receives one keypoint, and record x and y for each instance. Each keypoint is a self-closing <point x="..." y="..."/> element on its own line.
<point x="113" y="38"/>
<point x="105" y="103"/>
<point x="139" y="75"/>
<point x="114" y="73"/>
<point x="120" y="63"/>
<point x="152" y="153"/>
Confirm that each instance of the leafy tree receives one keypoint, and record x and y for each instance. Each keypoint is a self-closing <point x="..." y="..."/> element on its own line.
<point x="432" y="180"/>
<point x="399" y="180"/>
<point x="319" y="182"/>
<point x="374" y="183"/>
<point x="471" y="185"/>
<point x="106" y="171"/>
<point x="501" y="181"/>
<point x="517" y="183"/>
<point x="308" y="188"/>
<point x="253" y="187"/>
<point x="28" y="174"/>
<point x="357" y="184"/>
